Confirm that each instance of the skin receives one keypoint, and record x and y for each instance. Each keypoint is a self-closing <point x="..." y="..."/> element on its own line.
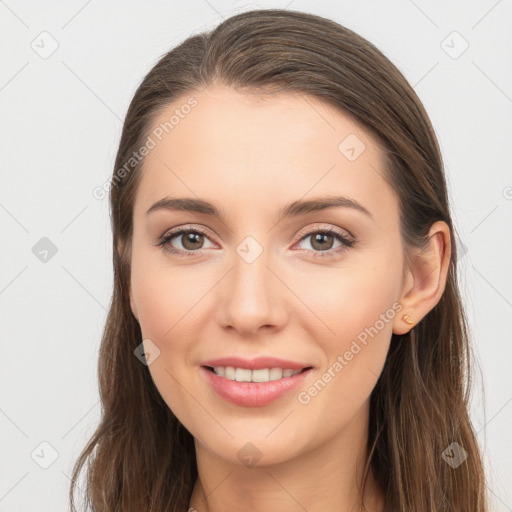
<point x="249" y="156"/>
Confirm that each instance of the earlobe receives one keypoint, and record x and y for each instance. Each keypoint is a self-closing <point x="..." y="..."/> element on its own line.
<point x="426" y="279"/>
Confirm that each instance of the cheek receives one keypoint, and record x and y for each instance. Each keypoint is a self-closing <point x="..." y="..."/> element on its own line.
<point x="357" y="307"/>
<point x="169" y="312"/>
<point x="166" y="296"/>
<point x="350" y="298"/>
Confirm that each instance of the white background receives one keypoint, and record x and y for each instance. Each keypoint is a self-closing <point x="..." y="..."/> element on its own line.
<point x="60" y="123"/>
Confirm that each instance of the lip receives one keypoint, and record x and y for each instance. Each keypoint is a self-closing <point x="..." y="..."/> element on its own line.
<point x="257" y="363"/>
<point x="252" y="394"/>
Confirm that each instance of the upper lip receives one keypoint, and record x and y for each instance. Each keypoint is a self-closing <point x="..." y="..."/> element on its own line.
<point x="257" y="363"/>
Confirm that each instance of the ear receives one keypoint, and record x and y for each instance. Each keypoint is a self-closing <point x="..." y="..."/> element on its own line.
<point x="425" y="279"/>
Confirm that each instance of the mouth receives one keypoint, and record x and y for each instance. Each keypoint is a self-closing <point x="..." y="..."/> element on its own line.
<point x="258" y="375"/>
<point x="253" y="388"/>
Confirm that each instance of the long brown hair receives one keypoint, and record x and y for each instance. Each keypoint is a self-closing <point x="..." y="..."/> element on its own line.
<point x="141" y="457"/>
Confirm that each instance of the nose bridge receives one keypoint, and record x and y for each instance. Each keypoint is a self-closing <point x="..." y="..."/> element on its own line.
<point x="251" y="296"/>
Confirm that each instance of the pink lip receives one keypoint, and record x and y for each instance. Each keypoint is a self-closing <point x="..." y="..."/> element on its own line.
<point x="252" y="394"/>
<point x="256" y="364"/>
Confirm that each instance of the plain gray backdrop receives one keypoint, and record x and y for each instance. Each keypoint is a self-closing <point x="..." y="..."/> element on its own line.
<point x="68" y="71"/>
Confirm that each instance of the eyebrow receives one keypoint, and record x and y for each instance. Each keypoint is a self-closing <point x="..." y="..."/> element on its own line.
<point x="294" y="209"/>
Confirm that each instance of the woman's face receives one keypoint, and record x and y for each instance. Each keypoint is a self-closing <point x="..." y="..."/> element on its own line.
<point x="265" y="279"/>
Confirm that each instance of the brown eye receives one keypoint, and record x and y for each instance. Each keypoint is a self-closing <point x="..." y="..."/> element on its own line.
<point x="184" y="242"/>
<point x="191" y="240"/>
<point x="322" y="241"/>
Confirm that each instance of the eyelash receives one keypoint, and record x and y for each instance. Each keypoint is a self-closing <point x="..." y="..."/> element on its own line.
<point x="347" y="243"/>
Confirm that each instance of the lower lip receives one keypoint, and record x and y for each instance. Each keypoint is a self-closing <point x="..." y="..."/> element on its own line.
<point x="253" y="394"/>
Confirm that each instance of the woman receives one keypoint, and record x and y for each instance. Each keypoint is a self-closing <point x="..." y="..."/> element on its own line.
<point x="286" y="331"/>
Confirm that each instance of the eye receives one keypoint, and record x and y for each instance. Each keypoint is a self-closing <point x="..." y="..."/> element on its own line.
<point x="190" y="239"/>
<point x="322" y="241"/>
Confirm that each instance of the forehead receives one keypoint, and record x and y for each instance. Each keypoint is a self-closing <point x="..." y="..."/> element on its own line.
<point x="237" y="148"/>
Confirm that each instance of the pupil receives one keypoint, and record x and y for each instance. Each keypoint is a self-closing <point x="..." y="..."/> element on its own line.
<point x="192" y="238"/>
<point x="319" y="238"/>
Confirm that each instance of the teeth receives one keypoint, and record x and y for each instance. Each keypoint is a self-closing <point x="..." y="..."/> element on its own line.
<point x="262" y="375"/>
<point x="242" y="375"/>
<point x="246" y="375"/>
<point x="275" y="374"/>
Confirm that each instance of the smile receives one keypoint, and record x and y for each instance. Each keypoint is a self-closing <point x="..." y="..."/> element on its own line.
<point x="253" y="388"/>
<point x="247" y="375"/>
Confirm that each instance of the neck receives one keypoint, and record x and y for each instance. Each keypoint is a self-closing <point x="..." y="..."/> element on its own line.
<point x="325" y="477"/>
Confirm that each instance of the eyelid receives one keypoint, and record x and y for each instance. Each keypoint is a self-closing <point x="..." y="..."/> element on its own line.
<point x="301" y="234"/>
<point x="322" y="227"/>
<point x="179" y="230"/>
<point x="339" y="233"/>
<point x="346" y="242"/>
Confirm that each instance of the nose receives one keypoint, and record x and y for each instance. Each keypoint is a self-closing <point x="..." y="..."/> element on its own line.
<point x="251" y="297"/>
